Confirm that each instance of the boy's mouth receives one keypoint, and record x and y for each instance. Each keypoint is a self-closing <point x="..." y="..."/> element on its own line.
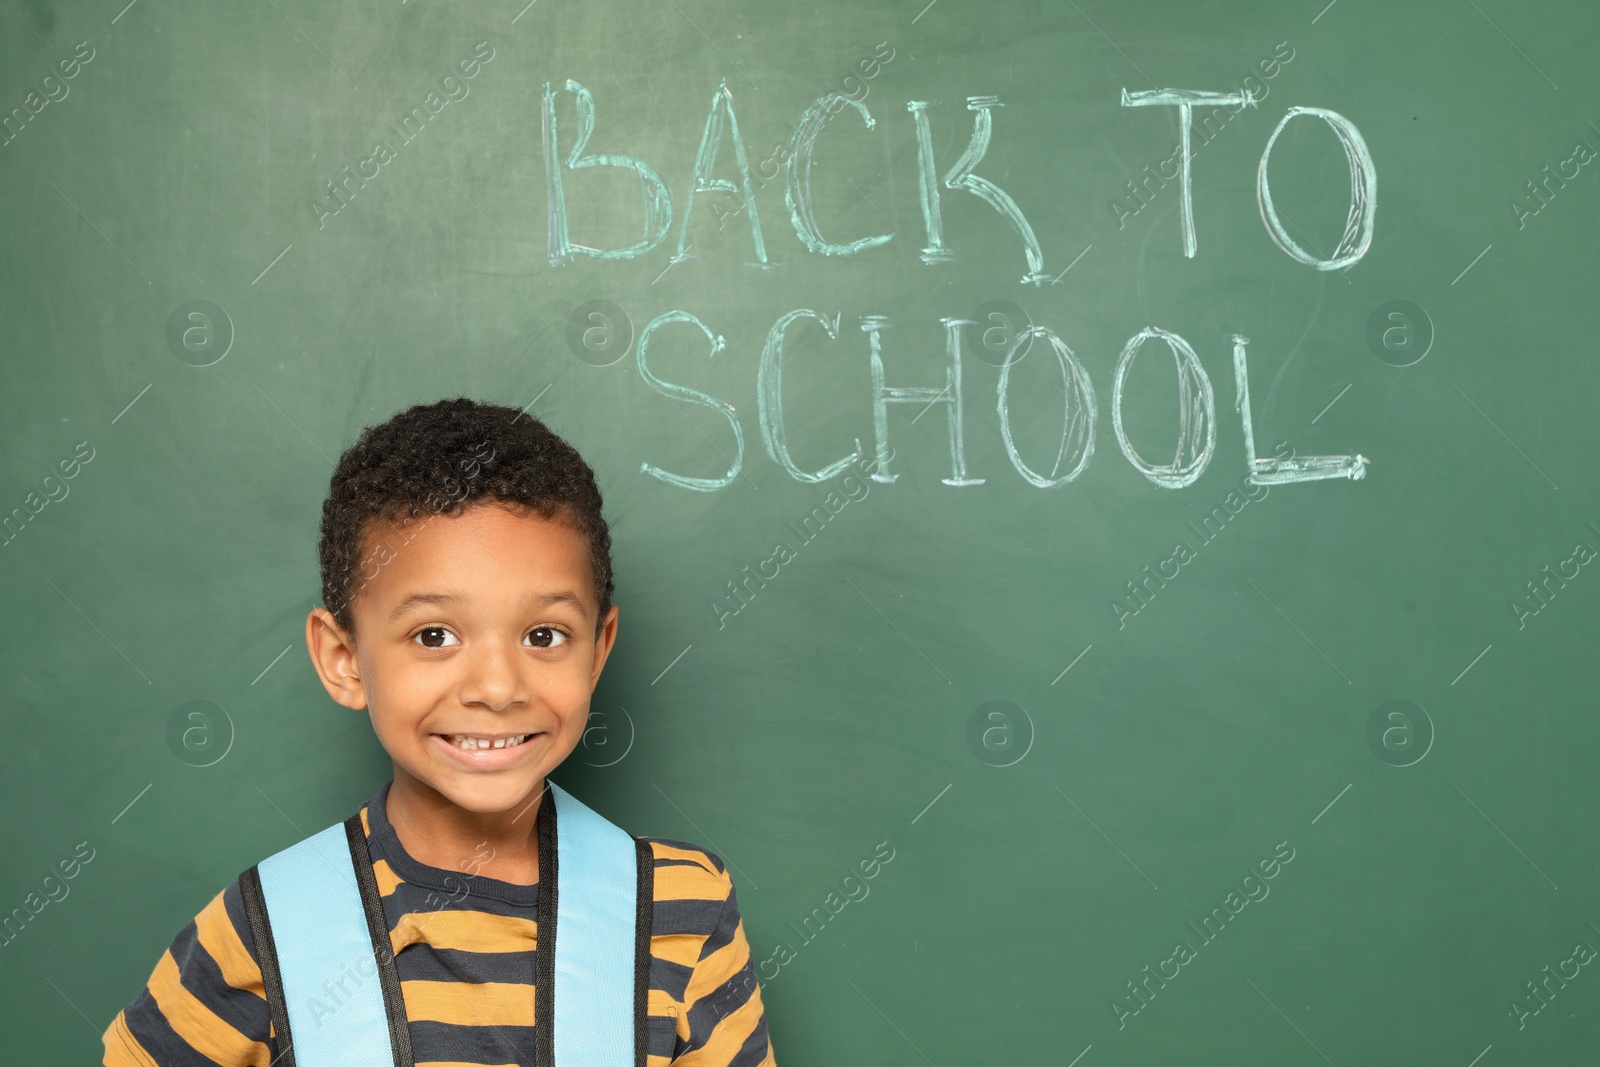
<point x="479" y="742"/>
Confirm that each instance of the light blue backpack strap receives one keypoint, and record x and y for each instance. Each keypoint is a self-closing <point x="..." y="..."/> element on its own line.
<point x="325" y="954"/>
<point x="595" y="959"/>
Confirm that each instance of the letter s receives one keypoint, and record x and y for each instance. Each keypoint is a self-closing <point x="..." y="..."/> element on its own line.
<point x="669" y="390"/>
<point x="878" y="851"/>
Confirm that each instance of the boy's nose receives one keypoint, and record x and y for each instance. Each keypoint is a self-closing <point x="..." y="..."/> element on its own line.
<point x="498" y="676"/>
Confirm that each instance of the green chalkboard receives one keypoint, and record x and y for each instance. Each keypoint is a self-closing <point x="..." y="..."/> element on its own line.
<point x="1182" y="559"/>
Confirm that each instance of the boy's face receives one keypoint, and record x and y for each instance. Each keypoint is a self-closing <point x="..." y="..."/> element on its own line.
<point x="482" y="626"/>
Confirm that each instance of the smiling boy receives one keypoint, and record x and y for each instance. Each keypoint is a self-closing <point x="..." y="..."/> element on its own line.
<point x="467" y="570"/>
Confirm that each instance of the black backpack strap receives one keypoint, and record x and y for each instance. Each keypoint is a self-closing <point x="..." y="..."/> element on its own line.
<point x="281" y="1045"/>
<point x="642" y="929"/>
<point x="544" y="976"/>
<point x="394" y="1004"/>
<point x="547" y="911"/>
<point x="255" y="909"/>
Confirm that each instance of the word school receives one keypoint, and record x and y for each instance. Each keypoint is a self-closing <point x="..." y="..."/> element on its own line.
<point x="1197" y="415"/>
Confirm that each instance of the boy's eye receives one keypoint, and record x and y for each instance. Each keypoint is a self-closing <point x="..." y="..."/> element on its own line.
<point x="432" y="637"/>
<point x="547" y="637"/>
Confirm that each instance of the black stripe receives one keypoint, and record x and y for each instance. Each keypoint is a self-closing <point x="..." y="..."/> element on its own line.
<point x="641" y="950"/>
<point x="394" y="1004"/>
<point x="255" y="910"/>
<point x="544" y="1004"/>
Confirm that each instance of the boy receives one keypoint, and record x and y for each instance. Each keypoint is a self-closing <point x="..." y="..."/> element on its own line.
<point x="467" y="573"/>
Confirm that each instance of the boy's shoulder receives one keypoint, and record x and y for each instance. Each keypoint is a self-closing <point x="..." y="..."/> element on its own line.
<point x="684" y="869"/>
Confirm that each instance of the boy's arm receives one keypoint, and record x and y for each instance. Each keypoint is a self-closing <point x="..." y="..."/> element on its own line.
<point x="205" y="1003"/>
<point x="723" y="1023"/>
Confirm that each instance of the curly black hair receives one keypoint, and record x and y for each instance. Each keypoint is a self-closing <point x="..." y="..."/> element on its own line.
<point x="439" y="459"/>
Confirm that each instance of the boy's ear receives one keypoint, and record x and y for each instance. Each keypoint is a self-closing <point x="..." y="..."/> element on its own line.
<point x="602" y="645"/>
<point x="333" y="654"/>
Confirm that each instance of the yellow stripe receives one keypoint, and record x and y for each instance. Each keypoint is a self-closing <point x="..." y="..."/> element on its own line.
<point x="387" y="879"/>
<point x="682" y="949"/>
<point x="710" y="974"/>
<point x="122" y="1049"/>
<point x="660" y="1002"/>
<point x="690" y="883"/>
<point x="730" y="1034"/>
<point x="668" y="852"/>
<point x="221" y="942"/>
<point x="469" y="1003"/>
<point x="469" y="931"/>
<point x="208" y="1033"/>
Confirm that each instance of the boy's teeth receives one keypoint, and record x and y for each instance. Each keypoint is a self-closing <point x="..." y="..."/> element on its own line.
<point x="475" y="743"/>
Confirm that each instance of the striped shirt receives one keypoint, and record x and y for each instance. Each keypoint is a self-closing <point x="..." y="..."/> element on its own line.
<point x="465" y="948"/>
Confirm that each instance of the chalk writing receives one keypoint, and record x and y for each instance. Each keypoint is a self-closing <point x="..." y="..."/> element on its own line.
<point x="1196" y="410"/>
<point x="694" y="396"/>
<point x="867" y="68"/>
<point x="1142" y="192"/>
<point x="657" y="218"/>
<point x="961" y="175"/>
<point x="705" y="162"/>
<point x="1357" y="237"/>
